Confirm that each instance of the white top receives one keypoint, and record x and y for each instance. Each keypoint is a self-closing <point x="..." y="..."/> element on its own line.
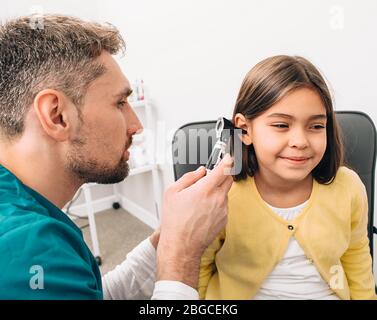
<point x="135" y="277"/>
<point x="295" y="276"/>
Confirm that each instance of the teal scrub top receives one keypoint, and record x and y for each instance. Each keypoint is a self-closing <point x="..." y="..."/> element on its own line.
<point x="42" y="252"/>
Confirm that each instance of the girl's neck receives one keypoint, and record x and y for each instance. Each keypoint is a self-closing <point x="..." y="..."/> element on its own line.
<point x="282" y="194"/>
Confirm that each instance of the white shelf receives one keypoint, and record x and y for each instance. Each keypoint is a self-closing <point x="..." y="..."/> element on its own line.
<point x="91" y="206"/>
<point x="142" y="169"/>
<point x="137" y="103"/>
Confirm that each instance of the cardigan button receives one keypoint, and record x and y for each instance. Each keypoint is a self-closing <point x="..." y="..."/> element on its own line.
<point x="290" y="227"/>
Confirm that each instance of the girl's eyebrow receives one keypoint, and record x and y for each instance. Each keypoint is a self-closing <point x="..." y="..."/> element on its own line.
<point x="284" y="115"/>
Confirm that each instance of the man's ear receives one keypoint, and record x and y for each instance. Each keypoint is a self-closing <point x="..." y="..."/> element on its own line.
<point x="54" y="111"/>
<point x="241" y="122"/>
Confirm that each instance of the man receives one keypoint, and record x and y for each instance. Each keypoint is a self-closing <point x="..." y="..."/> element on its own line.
<point x="65" y="121"/>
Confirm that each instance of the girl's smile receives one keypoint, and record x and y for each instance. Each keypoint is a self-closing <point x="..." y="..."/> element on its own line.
<point x="296" y="160"/>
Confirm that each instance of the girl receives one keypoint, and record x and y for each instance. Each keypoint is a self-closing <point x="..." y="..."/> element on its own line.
<point x="297" y="225"/>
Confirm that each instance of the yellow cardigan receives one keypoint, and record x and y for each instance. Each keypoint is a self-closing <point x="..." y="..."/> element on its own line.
<point x="331" y="229"/>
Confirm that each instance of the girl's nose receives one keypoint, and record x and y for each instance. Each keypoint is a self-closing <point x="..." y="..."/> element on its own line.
<point x="298" y="139"/>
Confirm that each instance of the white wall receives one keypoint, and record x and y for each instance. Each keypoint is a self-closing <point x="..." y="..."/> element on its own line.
<point x="12" y="9"/>
<point x="194" y="54"/>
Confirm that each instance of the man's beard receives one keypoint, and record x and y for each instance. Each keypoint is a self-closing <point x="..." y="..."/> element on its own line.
<point x="88" y="169"/>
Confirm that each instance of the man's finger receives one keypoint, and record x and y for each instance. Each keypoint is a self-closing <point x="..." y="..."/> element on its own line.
<point x="220" y="173"/>
<point x="189" y="179"/>
<point x="226" y="185"/>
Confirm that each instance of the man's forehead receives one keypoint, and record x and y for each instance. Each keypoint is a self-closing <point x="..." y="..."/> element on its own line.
<point x="113" y="78"/>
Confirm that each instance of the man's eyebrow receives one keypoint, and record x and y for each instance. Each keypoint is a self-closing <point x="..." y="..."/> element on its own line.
<point x="284" y="115"/>
<point x="126" y="92"/>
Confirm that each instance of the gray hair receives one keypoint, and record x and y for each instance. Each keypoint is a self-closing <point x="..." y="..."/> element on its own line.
<point x="61" y="56"/>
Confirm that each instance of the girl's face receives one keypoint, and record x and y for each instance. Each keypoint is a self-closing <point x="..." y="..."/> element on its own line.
<point x="289" y="138"/>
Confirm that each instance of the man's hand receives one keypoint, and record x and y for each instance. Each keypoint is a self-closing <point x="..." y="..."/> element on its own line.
<point x="194" y="212"/>
<point x="155" y="237"/>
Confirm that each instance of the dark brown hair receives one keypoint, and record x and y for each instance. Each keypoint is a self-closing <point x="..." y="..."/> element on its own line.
<point x="48" y="51"/>
<point x="268" y="82"/>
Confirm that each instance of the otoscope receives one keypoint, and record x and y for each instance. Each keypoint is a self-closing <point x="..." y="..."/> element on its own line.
<point x="224" y="133"/>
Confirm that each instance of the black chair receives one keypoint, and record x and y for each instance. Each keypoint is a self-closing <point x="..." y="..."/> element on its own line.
<point x="359" y="135"/>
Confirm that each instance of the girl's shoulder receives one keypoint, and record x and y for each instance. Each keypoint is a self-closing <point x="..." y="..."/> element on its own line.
<point x="346" y="175"/>
<point x="347" y="179"/>
<point x="240" y="187"/>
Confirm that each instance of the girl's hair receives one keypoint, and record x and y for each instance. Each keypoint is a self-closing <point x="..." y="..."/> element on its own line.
<point x="268" y="82"/>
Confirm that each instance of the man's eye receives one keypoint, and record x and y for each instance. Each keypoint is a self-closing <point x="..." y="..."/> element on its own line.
<point x="280" y="125"/>
<point x="122" y="103"/>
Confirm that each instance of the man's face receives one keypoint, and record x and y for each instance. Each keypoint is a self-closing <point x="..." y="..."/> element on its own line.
<point x="98" y="150"/>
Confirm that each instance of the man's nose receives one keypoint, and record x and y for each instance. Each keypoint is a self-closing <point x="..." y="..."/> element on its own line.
<point x="298" y="139"/>
<point x="134" y="124"/>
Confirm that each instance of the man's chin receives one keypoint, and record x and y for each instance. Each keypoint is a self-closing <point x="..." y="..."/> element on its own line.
<point x="115" y="176"/>
<point x="105" y="175"/>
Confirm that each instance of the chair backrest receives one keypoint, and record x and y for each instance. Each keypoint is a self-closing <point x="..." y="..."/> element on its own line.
<point x="187" y="143"/>
<point x="359" y="136"/>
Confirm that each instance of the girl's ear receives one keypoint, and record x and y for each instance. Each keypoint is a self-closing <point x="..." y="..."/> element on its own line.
<point x="241" y="123"/>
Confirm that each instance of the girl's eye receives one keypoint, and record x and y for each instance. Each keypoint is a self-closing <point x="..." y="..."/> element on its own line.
<point x="280" y="125"/>
<point x="318" y="126"/>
